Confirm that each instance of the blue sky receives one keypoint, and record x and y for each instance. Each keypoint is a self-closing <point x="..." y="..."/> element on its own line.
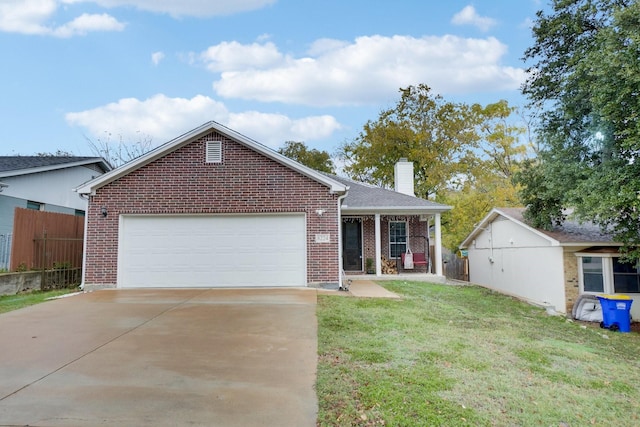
<point x="274" y="70"/>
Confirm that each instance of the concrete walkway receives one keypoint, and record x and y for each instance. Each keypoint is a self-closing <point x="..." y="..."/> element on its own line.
<point x="370" y="289"/>
<point x="162" y="358"/>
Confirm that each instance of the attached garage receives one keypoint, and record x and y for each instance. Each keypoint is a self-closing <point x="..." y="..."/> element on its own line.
<point x="212" y="250"/>
<point x="212" y="208"/>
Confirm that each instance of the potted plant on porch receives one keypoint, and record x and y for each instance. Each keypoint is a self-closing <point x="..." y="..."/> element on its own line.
<point x="369" y="265"/>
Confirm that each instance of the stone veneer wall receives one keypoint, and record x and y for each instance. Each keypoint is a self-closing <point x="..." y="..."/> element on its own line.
<point x="571" y="283"/>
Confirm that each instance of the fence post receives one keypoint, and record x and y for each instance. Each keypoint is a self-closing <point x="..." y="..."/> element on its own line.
<point x="43" y="261"/>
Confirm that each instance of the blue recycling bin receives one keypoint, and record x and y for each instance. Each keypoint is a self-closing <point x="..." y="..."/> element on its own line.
<point x="616" y="312"/>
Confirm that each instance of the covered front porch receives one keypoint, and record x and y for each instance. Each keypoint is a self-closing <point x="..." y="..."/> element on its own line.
<point x="379" y="224"/>
<point x="370" y="240"/>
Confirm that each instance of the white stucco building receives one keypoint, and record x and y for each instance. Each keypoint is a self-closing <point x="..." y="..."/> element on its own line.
<point x="551" y="268"/>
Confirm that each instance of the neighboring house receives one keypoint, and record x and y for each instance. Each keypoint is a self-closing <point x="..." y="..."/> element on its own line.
<point x="215" y="208"/>
<point x="548" y="267"/>
<point x="44" y="183"/>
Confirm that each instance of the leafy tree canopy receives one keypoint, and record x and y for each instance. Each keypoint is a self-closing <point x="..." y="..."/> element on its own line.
<point x="463" y="155"/>
<point x="586" y="78"/>
<point x="315" y="159"/>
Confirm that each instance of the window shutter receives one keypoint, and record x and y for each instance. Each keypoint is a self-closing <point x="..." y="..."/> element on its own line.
<point x="214" y="151"/>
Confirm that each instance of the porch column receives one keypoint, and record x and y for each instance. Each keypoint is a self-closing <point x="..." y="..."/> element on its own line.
<point x="378" y="247"/>
<point x="438" y="246"/>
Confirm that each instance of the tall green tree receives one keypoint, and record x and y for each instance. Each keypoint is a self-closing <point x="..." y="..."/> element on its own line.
<point x="315" y="159"/>
<point x="464" y="155"/>
<point x="586" y="77"/>
<point x="423" y="128"/>
<point x="495" y="156"/>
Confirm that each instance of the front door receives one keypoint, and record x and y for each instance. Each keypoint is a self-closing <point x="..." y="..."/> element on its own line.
<point x="352" y="245"/>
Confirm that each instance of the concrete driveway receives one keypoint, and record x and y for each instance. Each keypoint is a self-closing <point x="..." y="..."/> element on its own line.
<point x="193" y="357"/>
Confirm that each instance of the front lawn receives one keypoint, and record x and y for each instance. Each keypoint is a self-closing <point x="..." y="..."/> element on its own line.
<point x="466" y="356"/>
<point x="14" y="302"/>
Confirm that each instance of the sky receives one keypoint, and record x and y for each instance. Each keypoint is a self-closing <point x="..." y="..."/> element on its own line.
<point x="74" y="71"/>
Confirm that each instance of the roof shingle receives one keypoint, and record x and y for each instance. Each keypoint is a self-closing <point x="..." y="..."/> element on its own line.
<point x="569" y="232"/>
<point x="21" y="163"/>
<point x="366" y="196"/>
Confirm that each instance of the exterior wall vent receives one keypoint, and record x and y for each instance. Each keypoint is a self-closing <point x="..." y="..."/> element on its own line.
<point x="214" y="151"/>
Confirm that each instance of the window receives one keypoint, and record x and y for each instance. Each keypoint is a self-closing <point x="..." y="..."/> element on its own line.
<point x="214" y="152"/>
<point x="592" y="273"/>
<point x="625" y="277"/>
<point x="36" y="206"/>
<point x="397" y="238"/>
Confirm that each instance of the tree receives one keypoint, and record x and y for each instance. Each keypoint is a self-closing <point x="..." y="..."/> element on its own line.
<point x="315" y="159"/>
<point x="586" y="77"/>
<point x="58" y="153"/>
<point x="422" y="127"/>
<point x="493" y="160"/>
<point x="464" y="155"/>
<point x="119" y="152"/>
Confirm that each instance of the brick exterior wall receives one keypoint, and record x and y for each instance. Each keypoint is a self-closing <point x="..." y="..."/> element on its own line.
<point x="182" y="183"/>
<point x="415" y="227"/>
<point x="571" y="283"/>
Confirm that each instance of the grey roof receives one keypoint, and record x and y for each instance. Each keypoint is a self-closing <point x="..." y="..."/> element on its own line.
<point x="366" y="198"/>
<point x="22" y="164"/>
<point x="569" y="232"/>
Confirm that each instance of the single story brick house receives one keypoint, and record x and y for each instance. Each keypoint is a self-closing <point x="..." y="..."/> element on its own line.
<point x="548" y="267"/>
<point x="214" y="208"/>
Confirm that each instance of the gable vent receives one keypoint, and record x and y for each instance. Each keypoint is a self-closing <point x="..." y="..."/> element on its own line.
<point x="214" y="151"/>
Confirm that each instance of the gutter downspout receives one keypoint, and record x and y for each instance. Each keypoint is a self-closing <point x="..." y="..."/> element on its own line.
<point x="340" y="271"/>
<point x="84" y="242"/>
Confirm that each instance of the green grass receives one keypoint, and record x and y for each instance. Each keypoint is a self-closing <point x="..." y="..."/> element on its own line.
<point x="466" y="356"/>
<point x="15" y="302"/>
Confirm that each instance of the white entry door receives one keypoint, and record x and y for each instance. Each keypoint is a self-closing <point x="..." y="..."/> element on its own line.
<point x="212" y="251"/>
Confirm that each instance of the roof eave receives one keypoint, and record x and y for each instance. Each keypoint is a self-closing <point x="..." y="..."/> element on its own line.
<point x="28" y="171"/>
<point x="588" y="243"/>
<point x="495" y="212"/>
<point x="395" y="210"/>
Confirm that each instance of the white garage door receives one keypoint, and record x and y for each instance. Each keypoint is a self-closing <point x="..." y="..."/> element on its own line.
<point x="212" y="251"/>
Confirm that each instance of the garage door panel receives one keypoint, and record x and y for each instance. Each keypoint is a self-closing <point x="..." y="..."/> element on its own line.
<point x="212" y="251"/>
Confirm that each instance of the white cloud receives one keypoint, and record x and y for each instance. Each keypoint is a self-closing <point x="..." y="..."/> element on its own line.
<point x="197" y="8"/>
<point x="32" y="16"/>
<point x="156" y="57"/>
<point x="469" y="16"/>
<point x="87" y="23"/>
<point x="528" y="23"/>
<point x="25" y="16"/>
<point x="233" y="56"/>
<point x="274" y="129"/>
<point x="367" y="71"/>
<point x="163" y="118"/>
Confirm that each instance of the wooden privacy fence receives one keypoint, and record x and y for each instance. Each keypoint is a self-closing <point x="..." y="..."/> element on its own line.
<point x="48" y="242"/>
<point x="59" y="259"/>
<point x="455" y="268"/>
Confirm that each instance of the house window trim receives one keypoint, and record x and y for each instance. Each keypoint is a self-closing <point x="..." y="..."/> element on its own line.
<point x="607" y="273"/>
<point x="406" y="231"/>
<point x="32" y="203"/>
